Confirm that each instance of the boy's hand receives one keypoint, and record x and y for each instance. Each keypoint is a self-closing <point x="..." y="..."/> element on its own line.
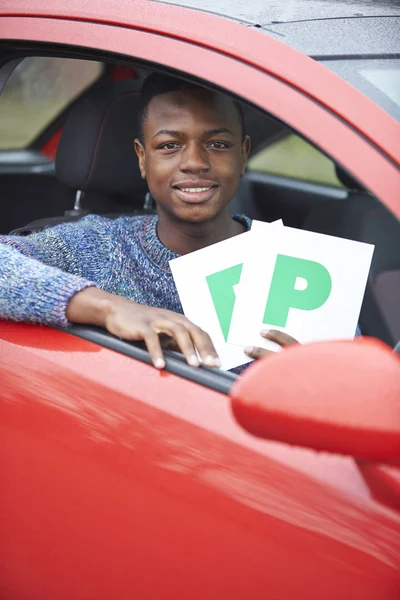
<point x="283" y="339"/>
<point x="131" y="321"/>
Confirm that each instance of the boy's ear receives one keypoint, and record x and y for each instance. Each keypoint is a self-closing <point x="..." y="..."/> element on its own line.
<point x="246" y="146"/>
<point x="141" y="157"/>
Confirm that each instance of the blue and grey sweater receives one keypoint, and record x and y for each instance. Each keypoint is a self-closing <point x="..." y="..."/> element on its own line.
<point x="40" y="273"/>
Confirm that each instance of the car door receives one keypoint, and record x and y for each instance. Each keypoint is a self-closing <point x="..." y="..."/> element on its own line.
<point x="122" y="481"/>
<point x="141" y="483"/>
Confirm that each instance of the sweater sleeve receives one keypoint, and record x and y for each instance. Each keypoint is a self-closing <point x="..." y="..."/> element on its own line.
<point x="39" y="274"/>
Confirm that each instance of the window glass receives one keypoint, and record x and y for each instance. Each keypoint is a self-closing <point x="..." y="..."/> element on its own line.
<point x="378" y="78"/>
<point x="38" y="90"/>
<point x="293" y="157"/>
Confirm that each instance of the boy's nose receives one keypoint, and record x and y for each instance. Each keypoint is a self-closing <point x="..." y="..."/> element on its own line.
<point x="194" y="159"/>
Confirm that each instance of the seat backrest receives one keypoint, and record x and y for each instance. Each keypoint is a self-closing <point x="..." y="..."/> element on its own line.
<point x="96" y="155"/>
<point x="96" y="149"/>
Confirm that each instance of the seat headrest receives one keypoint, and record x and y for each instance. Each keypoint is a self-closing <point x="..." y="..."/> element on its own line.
<point x="96" y="150"/>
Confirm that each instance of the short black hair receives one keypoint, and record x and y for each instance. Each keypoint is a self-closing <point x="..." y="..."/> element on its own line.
<point x="157" y="84"/>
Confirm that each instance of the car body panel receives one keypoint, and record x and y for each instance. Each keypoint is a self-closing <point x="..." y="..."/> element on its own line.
<point x="120" y="480"/>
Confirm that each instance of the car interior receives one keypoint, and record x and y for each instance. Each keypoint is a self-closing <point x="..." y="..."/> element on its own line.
<point x="95" y="170"/>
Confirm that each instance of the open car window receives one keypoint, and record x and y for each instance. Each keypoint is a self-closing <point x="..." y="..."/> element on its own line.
<point x="39" y="89"/>
<point x="291" y="194"/>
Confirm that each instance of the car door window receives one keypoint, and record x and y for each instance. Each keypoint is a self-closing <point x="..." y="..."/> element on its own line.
<point x="292" y="157"/>
<point x="377" y="78"/>
<point x="39" y="89"/>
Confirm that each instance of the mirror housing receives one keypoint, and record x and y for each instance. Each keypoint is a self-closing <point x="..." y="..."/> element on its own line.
<point x="341" y="397"/>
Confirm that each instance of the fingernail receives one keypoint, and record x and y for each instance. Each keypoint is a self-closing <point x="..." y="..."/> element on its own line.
<point x="159" y="363"/>
<point x="217" y="362"/>
<point x="209" y="360"/>
<point x="248" y="349"/>
<point x="265" y="331"/>
<point x="193" y="360"/>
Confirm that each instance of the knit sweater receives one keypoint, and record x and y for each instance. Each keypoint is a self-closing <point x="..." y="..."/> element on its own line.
<point x="41" y="272"/>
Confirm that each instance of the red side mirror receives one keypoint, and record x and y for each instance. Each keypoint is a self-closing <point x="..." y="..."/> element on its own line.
<point x="341" y="397"/>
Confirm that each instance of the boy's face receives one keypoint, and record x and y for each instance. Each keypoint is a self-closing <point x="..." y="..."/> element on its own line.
<point x="193" y="154"/>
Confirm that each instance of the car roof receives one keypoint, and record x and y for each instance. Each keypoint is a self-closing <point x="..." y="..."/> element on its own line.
<point x="318" y="28"/>
<point x="263" y="11"/>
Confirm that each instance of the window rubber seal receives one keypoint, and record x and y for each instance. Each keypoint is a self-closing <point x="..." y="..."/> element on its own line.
<point x="175" y="363"/>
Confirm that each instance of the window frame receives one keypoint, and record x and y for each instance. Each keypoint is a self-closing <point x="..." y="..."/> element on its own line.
<point x="175" y="363"/>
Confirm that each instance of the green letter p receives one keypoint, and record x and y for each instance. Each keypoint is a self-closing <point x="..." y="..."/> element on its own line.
<point x="283" y="294"/>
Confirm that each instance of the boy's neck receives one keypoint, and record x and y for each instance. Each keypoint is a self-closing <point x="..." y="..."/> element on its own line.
<point x="183" y="237"/>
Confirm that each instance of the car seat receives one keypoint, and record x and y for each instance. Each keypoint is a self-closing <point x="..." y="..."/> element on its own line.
<point x="96" y="156"/>
<point x="363" y="218"/>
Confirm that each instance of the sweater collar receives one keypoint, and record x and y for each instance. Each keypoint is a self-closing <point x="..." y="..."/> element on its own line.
<point x="155" y="250"/>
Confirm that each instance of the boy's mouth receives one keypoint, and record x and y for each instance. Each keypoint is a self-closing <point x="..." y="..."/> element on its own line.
<point x="195" y="192"/>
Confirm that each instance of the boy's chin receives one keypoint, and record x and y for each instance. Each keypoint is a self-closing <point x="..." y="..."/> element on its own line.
<point x="191" y="213"/>
<point x="199" y="213"/>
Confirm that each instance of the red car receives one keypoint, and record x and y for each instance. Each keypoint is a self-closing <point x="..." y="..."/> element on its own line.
<point x="119" y="481"/>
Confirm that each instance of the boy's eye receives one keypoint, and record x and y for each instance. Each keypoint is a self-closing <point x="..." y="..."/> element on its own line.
<point x="169" y="146"/>
<point x="219" y="145"/>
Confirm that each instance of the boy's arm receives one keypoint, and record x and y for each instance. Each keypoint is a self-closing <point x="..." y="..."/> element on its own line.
<point x="35" y="292"/>
<point x="41" y="272"/>
<point x="34" y="287"/>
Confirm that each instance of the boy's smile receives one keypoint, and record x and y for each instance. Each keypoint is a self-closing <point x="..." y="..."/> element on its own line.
<point x="195" y="191"/>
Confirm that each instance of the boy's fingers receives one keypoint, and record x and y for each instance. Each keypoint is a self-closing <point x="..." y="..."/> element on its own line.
<point x="186" y="345"/>
<point x="182" y="338"/>
<point x="283" y="339"/>
<point x="153" y="346"/>
<point x="255" y="352"/>
<point x="205" y="347"/>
